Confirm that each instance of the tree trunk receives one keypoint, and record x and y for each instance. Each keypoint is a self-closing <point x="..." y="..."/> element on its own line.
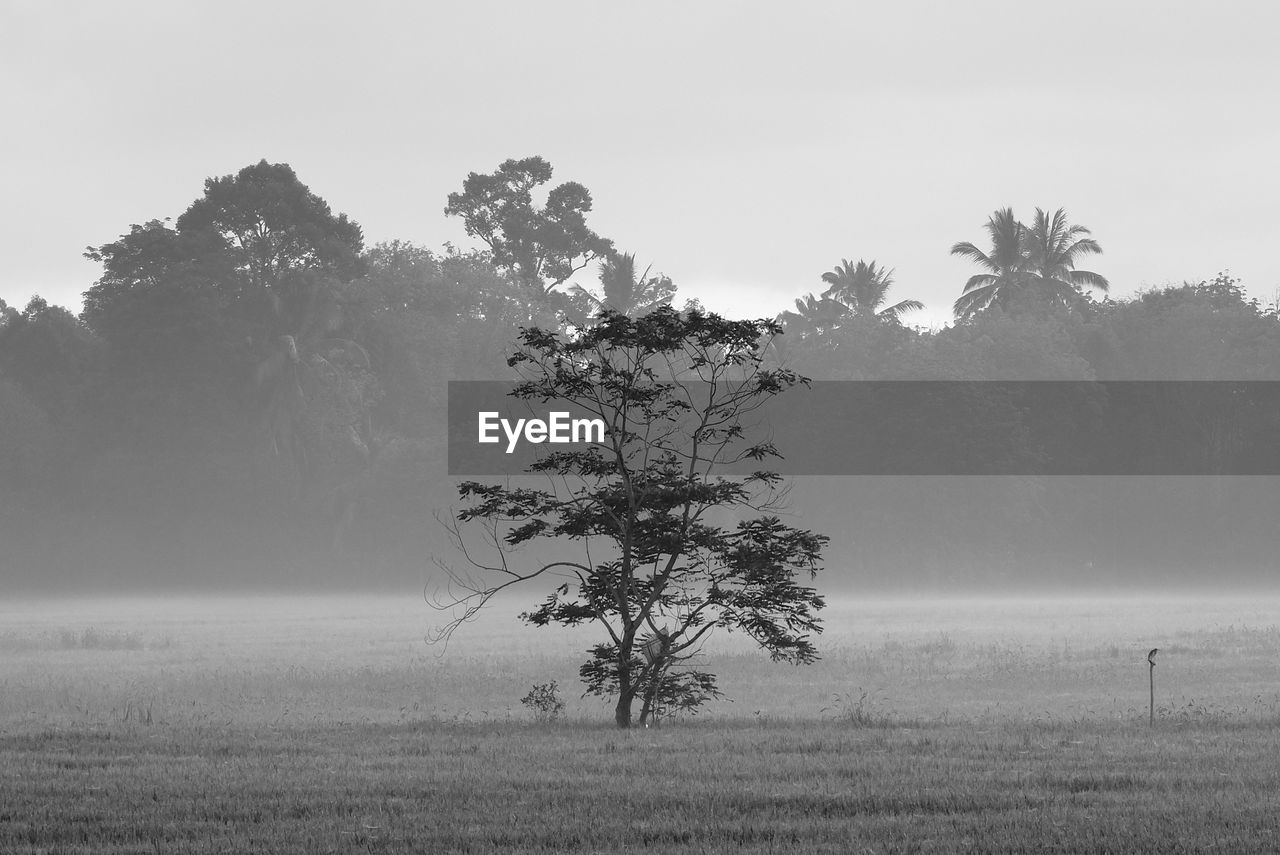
<point x="622" y="712"/>
<point x="626" y="695"/>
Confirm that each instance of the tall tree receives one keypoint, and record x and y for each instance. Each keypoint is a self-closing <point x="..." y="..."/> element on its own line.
<point x="1038" y="261"/>
<point x="271" y="223"/>
<point x="1004" y="266"/>
<point x="862" y="287"/>
<point x="1053" y="247"/>
<point x="541" y="245"/>
<point x="245" y="290"/>
<point x="674" y="389"/>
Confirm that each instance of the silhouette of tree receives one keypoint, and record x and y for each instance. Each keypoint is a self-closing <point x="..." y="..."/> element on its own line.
<point x="862" y="287"/>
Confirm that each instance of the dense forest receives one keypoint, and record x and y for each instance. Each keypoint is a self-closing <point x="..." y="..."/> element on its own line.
<point x="251" y="395"/>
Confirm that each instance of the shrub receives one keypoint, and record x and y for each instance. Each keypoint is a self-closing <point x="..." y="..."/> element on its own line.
<point x="544" y="700"/>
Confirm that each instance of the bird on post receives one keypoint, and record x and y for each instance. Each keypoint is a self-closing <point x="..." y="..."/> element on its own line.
<point x="1151" y="657"/>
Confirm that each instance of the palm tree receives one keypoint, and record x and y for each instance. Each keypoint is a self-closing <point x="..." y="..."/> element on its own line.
<point x="1005" y="264"/>
<point x="862" y="288"/>
<point x="1053" y="246"/>
<point x="1039" y="259"/>
<point x="623" y="291"/>
<point x="289" y="382"/>
<point x="815" y="316"/>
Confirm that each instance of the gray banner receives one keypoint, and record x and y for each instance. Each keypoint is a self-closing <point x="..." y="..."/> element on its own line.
<point x="933" y="428"/>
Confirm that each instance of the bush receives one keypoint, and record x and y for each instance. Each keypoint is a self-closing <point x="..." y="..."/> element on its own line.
<point x="544" y="700"/>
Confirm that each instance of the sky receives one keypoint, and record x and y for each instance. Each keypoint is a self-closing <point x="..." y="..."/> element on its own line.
<point x="741" y="148"/>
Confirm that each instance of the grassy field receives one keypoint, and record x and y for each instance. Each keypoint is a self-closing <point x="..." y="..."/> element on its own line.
<point x="275" y="724"/>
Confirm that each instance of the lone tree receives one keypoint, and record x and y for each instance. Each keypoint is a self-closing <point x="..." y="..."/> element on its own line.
<point x="673" y="389"/>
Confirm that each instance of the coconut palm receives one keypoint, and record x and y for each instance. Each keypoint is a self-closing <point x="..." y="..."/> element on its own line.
<point x="814" y="316"/>
<point x="1039" y="259"/>
<point x="1005" y="265"/>
<point x="862" y="288"/>
<point x="623" y="291"/>
<point x="289" y="382"/>
<point x="1053" y="246"/>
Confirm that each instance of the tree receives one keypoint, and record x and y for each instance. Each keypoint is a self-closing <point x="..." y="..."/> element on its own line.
<point x="50" y="354"/>
<point x="1208" y="330"/>
<point x="621" y="290"/>
<point x="271" y="223"/>
<point x="862" y="287"/>
<point x="1054" y="246"/>
<point x="317" y="388"/>
<point x="247" y="276"/>
<point x="1039" y="261"/>
<point x="541" y="246"/>
<point x="673" y="388"/>
<point x="1005" y="265"/>
<point x="814" y="317"/>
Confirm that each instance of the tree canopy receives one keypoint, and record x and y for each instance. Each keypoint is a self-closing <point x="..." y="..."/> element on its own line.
<point x="1039" y="259"/>
<point x="542" y="245"/>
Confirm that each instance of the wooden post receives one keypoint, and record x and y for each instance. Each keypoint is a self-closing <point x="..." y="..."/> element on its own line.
<point x="1151" y="660"/>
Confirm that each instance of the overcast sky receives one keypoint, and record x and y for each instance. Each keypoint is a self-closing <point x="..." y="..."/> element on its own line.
<point x="742" y="149"/>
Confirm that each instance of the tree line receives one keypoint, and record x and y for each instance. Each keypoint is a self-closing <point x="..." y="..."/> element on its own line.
<point x="251" y="393"/>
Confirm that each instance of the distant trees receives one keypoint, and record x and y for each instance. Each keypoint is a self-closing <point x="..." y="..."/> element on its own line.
<point x="862" y="288"/>
<point x="251" y="383"/>
<point x="1040" y="260"/>
<point x="50" y="354"/>
<point x="247" y="235"/>
<point x="813" y="317"/>
<point x="246" y="282"/>
<point x="856" y="293"/>
<point x="1194" y="331"/>
<point x="541" y="245"/>
<point x="268" y="223"/>
<point x="623" y="290"/>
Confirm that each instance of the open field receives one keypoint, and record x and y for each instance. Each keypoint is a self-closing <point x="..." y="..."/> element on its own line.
<point x="327" y="725"/>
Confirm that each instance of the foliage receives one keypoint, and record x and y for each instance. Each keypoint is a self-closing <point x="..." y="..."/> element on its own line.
<point x="545" y="701"/>
<point x="622" y="290"/>
<point x="268" y="223"/>
<point x="26" y="444"/>
<point x="250" y="389"/>
<point x="50" y="354"/>
<point x="855" y="293"/>
<point x="1039" y="259"/>
<point x="543" y="245"/>
<point x="862" y="288"/>
<point x="814" y="317"/>
<point x="673" y="389"/>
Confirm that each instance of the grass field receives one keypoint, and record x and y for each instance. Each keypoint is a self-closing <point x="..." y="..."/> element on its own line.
<point x="275" y="724"/>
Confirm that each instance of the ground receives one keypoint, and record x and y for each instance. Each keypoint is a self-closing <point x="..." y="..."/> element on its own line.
<point x="326" y="724"/>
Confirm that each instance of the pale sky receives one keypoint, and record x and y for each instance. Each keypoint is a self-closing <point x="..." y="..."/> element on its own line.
<point x="741" y="148"/>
